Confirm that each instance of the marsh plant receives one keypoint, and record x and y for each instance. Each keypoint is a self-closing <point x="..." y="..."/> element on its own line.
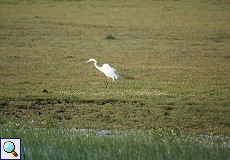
<point x="158" y="143"/>
<point x="109" y="36"/>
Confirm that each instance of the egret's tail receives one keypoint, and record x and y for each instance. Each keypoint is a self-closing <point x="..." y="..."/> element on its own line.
<point x="117" y="76"/>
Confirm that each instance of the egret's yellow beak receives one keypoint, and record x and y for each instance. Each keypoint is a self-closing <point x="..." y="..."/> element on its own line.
<point x="87" y="61"/>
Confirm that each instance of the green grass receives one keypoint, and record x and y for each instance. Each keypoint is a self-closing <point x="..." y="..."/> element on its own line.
<point x="153" y="144"/>
<point x="173" y="57"/>
<point x="109" y="36"/>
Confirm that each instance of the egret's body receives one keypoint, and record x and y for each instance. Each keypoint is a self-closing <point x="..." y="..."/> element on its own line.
<point x="109" y="71"/>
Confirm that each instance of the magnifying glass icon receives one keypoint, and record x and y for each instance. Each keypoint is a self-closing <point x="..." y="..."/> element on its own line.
<point x="9" y="147"/>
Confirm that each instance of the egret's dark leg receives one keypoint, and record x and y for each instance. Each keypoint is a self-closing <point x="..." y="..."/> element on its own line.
<point x="111" y="81"/>
<point x="107" y="82"/>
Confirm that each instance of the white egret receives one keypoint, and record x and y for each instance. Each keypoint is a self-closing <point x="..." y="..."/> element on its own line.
<point x="109" y="71"/>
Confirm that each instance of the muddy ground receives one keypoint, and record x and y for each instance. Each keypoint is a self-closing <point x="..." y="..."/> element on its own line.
<point x="47" y="113"/>
<point x="106" y="114"/>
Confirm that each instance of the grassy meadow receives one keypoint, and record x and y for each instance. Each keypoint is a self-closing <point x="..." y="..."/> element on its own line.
<point x="159" y="144"/>
<point x="173" y="57"/>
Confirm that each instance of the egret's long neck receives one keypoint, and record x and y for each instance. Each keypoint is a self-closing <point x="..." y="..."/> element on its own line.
<point x="95" y="64"/>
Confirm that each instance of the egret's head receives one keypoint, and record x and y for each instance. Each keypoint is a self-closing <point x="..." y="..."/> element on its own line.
<point x="91" y="59"/>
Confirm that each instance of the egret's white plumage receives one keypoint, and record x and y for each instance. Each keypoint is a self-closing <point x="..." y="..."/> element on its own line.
<point x="109" y="71"/>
